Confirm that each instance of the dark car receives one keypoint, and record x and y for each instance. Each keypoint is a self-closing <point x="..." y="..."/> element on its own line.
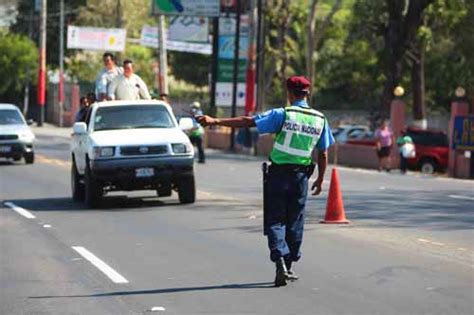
<point x="432" y="150"/>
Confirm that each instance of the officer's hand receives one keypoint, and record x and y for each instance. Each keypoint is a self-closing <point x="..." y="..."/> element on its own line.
<point x="317" y="187"/>
<point x="206" y="120"/>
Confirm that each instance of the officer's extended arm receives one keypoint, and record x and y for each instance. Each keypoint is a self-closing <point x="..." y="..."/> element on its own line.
<point x="236" y="122"/>
<point x="322" y="164"/>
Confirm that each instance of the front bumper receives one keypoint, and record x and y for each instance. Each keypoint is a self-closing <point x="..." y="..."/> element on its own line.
<point x="120" y="174"/>
<point x="15" y="149"/>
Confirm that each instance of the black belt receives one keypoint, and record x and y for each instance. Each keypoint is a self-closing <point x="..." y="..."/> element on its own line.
<point x="288" y="168"/>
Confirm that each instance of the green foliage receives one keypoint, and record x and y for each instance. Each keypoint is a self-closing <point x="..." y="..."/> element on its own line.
<point x="143" y="59"/>
<point x="18" y="60"/>
<point x="192" y="68"/>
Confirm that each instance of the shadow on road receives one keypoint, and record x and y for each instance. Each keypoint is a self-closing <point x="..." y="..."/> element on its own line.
<point x="258" y="285"/>
<point x="112" y="203"/>
<point x="10" y="163"/>
<point x="402" y="209"/>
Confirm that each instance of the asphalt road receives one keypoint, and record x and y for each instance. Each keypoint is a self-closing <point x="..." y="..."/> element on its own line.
<point x="408" y="250"/>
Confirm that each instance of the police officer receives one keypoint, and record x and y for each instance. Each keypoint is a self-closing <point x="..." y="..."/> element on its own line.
<point x="197" y="132"/>
<point x="301" y="132"/>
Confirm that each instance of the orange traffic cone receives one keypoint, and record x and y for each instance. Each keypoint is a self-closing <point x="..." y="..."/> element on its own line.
<point x="335" y="207"/>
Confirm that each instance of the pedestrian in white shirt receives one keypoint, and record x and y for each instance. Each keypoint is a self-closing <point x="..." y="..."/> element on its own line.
<point x="106" y="76"/>
<point x="128" y="86"/>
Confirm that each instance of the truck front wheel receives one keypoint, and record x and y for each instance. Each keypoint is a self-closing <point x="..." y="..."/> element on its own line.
<point x="93" y="190"/>
<point x="187" y="189"/>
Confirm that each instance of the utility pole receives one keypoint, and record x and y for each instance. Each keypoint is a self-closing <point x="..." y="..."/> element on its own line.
<point x="163" y="76"/>
<point x="260" y="56"/>
<point x="251" y="64"/>
<point x="61" y="62"/>
<point x="215" y="64"/>
<point x="41" y="97"/>
<point x="236" y="72"/>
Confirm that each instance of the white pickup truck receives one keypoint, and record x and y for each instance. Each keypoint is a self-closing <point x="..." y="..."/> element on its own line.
<point x="131" y="145"/>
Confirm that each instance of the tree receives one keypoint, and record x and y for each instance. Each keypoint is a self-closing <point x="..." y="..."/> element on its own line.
<point x="192" y="68"/>
<point x="18" y="61"/>
<point x="315" y="34"/>
<point x="27" y="23"/>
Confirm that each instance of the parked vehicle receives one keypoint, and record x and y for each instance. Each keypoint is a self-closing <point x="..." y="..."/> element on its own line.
<point x="432" y="150"/>
<point x="131" y="145"/>
<point x="16" y="137"/>
<point x="344" y="133"/>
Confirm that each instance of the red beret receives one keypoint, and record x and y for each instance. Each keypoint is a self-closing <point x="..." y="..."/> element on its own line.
<point x="298" y="83"/>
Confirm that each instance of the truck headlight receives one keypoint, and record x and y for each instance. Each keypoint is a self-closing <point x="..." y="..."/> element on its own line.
<point x="104" y="152"/>
<point x="182" y="148"/>
<point x="27" y="137"/>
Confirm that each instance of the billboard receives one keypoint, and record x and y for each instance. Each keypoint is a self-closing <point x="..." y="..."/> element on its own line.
<point x="225" y="68"/>
<point x="95" y="38"/>
<point x="209" y="8"/>
<point x="149" y="38"/>
<point x="189" y="29"/>
<point x="463" y="133"/>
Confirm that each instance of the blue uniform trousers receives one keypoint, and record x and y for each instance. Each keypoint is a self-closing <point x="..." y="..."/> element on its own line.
<point x="287" y="192"/>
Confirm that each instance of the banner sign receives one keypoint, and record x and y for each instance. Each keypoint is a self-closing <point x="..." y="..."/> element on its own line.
<point x="209" y="8"/>
<point x="149" y="38"/>
<point x="189" y="29"/>
<point x="463" y="133"/>
<point x="95" y="38"/>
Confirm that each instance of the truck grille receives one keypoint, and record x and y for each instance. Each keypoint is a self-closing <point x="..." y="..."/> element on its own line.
<point x="144" y="150"/>
<point x="8" y="137"/>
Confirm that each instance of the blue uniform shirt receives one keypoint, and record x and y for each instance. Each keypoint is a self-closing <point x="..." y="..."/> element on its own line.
<point x="272" y="121"/>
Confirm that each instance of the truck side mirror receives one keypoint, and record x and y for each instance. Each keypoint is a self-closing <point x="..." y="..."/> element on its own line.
<point x="186" y="123"/>
<point x="79" y="128"/>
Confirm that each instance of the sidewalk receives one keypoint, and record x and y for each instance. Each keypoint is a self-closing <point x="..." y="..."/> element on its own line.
<point x="52" y="131"/>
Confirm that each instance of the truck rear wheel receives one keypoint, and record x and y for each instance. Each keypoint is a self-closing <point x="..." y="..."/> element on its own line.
<point x="93" y="191"/>
<point x="187" y="190"/>
<point x="77" y="187"/>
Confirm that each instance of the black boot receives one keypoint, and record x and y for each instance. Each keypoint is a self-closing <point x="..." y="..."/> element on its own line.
<point x="291" y="274"/>
<point x="281" y="273"/>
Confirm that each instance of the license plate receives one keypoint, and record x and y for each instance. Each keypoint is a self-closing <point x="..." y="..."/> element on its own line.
<point x="144" y="172"/>
<point x="5" y="149"/>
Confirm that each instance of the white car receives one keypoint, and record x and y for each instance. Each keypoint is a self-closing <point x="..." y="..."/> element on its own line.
<point x="16" y="138"/>
<point x="131" y="145"/>
<point x="343" y="133"/>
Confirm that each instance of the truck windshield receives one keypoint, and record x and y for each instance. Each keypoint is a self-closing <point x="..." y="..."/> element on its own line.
<point x="10" y="117"/>
<point x="132" y="117"/>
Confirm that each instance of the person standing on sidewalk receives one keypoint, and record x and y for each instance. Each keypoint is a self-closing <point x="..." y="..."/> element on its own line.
<point x="407" y="150"/>
<point x="300" y="132"/>
<point x="384" y="142"/>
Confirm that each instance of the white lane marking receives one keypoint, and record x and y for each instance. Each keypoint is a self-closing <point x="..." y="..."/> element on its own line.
<point x="461" y="197"/>
<point x="20" y="210"/>
<point x="100" y="264"/>
<point x="46" y="226"/>
<point x="157" y="309"/>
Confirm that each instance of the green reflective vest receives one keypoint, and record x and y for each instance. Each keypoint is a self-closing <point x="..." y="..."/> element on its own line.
<point x="299" y="135"/>
<point x="197" y="132"/>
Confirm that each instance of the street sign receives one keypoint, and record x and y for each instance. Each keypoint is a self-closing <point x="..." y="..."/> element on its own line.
<point x="149" y="38"/>
<point x="209" y="8"/>
<point x="463" y="133"/>
<point x="95" y="38"/>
